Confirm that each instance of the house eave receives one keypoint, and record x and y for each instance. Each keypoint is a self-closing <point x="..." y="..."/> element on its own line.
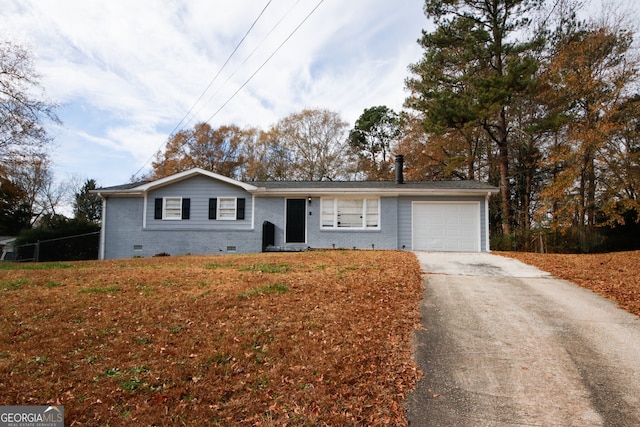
<point x="381" y="192"/>
<point x="144" y="188"/>
<point x="190" y="173"/>
<point x="120" y="193"/>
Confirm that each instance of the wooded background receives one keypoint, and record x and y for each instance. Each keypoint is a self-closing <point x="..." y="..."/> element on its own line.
<point x="521" y="94"/>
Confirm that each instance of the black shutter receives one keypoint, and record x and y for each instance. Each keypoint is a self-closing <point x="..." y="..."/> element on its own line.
<point x="213" y="206"/>
<point x="186" y="208"/>
<point x="240" y="209"/>
<point x="157" y="213"/>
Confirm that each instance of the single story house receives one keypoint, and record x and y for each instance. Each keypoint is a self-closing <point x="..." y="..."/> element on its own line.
<point x="201" y="212"/>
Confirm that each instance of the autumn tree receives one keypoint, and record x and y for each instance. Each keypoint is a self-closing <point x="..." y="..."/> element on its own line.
<point x="473" y="68"/>
<point x="266" y="158"/>
<point x="371" y="140"/>
<point x="587" y="88"/>
<point x="15" y="213"/>
<point x="37" y="188"/>
<point x="621" y="177"/>
<point x="217" y="150"/>
<point x="316" y="142"/>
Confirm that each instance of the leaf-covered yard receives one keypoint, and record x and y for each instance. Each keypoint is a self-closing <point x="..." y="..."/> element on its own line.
<point x="613" y="275"/>
<point x="315" y="338"/>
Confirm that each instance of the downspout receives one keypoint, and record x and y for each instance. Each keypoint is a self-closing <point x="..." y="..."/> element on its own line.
<point x="486" y="222"/>
<point x="102" y="227"/>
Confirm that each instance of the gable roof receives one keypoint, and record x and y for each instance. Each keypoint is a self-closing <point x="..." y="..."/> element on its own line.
<point x="139" y="188"/>
<point x="313" y="188"/>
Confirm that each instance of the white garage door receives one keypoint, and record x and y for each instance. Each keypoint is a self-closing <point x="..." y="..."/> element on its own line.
<point x="446" y="226"/>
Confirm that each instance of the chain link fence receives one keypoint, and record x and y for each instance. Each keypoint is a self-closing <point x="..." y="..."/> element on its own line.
<point x="71" y="248"/>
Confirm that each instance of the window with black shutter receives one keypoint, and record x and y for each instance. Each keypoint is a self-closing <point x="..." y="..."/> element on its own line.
<point x="186" y="208"/>
<point x="240" y="209"/>
<point x="157" y="212"/>
<point x="171" y="208"/>
<point x="213" y="207"/>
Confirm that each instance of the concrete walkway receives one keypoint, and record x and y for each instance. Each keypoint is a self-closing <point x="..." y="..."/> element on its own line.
<point x="505" y="344"/>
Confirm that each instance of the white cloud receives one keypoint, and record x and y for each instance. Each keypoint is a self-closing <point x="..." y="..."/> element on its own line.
<point x="127" y="71"/>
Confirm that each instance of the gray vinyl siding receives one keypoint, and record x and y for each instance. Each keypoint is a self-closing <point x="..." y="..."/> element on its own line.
<point x="199" y="190"/>
<point x="385" y="237"/>
<point x="272" y="209"/>
<point x="125" y="237"/>
<point x="405" y="220"/>
<point x="129" y="227"/>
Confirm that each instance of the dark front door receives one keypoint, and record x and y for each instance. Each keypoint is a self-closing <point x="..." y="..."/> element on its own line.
<point x="296" y="220"/>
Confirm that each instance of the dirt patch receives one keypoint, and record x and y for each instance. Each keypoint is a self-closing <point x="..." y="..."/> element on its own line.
<point x="613" y="275"/>
<point x="319" y="338"/>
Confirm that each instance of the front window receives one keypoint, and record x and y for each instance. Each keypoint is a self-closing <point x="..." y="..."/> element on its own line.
<point x="371" y="213"/>
<point x="226" y="208"/>
<point x="172" y="208"/>
<point x="350" y="213"/>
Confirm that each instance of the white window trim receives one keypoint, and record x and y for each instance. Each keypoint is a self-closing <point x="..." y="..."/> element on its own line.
<point x="335" y="213"/>
<point x="219" y="210"/>
<point x="164" y="209"/>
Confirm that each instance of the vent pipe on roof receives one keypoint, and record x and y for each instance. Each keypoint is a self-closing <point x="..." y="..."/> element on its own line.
<point x="399" y="169"/>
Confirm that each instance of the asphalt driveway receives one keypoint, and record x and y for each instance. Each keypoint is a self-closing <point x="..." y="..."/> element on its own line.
<point x="505" y="344"/>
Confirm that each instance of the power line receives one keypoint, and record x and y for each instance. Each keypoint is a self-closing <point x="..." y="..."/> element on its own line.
<point x="265" y="62"/>
<point x="244" y="62"/>
<point x="248" y="80"/>
<point x="208" y="86"/>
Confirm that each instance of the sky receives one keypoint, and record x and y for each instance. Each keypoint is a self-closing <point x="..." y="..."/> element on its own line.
<point x="125" y="73"/>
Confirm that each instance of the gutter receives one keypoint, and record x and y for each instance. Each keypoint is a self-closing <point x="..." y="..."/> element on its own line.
<point x="374" y="191"/>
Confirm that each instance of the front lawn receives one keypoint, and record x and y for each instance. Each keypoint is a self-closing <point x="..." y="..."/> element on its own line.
<point x="268" y="339"/>
<point x="613" y="275"/>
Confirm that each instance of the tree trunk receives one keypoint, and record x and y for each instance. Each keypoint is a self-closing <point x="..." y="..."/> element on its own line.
<point x="503" y="162"/>
<point x="591" y="192"/>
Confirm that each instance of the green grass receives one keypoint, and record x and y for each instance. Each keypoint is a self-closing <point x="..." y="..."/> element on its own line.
<point x="176" y="328"/>
<point x="267" y="268"/>
<point x="52" y="284"/>
<point x="40" y="360"/>
<point x="171" y="283"/>
<point x="215" y="265"/>
<point x="131" y="384"/>
<point x="145" y="289"/>
<point x="274" y="288"/>
<point x="34" y="266"/>
<point x="13" y="285"/>
<point x="112" y="372"/>
<point x="134" y="382"/>
<point x="218" y="358"/>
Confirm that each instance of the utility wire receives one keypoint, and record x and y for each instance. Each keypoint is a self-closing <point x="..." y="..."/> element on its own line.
<point x="265" y="62"/>
<point x="208" y="86"/>
<point x="222" y="68"/>
<point x="243" y="62"/>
